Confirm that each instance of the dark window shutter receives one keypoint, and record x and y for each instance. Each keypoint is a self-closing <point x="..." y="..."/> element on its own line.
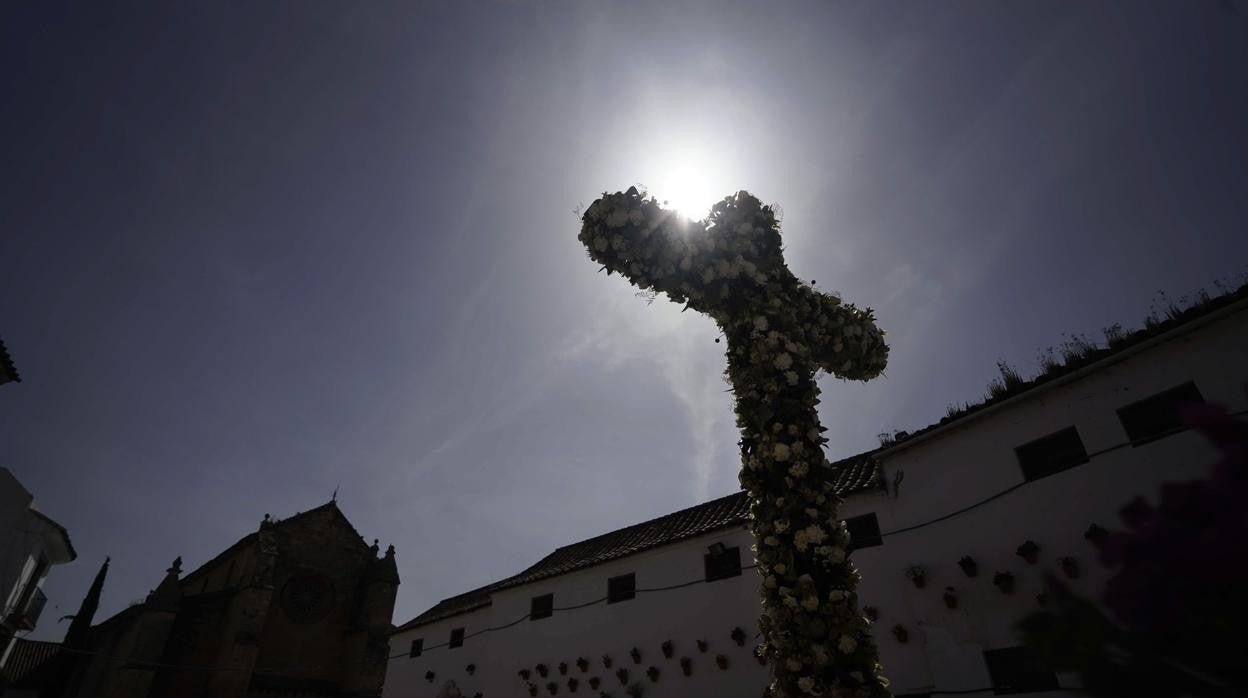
<point x="1051" y="454"/>
<point x="1157" y="416"/>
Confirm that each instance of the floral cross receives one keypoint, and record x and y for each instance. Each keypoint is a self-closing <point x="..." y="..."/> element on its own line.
<point x="780" y="331"/>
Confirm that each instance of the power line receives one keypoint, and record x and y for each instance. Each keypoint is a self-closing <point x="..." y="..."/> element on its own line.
<point x="907" y="529"/>
<point x="1008" y="490"/>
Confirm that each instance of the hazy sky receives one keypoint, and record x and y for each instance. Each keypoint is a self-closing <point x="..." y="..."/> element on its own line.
<point x="252" y="252"/>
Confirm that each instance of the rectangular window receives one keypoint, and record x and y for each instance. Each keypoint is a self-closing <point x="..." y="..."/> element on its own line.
<point x="1051" y="454"/>
<point x="457" y="638"/>
<point x="621" y="588"/>
<point x="864" y="531"/>
<point x="418" y="646"/>
<point x="1018" y="670"/>
<point x="542" y="606"/>
<point x="1157" y="416"/>
<point x="722" y="564"/>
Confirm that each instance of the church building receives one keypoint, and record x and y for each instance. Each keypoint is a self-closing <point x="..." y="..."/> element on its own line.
<point x="953" y="529"/>
<point x="300" y="608"/>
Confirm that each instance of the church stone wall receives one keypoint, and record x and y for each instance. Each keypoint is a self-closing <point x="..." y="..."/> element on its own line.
<point x="320" y="547"/>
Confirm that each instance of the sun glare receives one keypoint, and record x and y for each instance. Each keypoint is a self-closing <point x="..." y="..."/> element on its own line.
<point x="687" y="191"/>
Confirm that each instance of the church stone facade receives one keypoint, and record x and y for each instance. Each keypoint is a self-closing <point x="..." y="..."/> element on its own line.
<point x="301" y="608"/>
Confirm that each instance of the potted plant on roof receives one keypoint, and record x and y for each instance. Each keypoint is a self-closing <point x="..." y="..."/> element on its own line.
<point x="1070" y="566"/>
<point x="918" y="575"/>
<point x="900" y="632"/>
<point x="594" y="682"/>
<point x="951" y="598"/>
<point x="582" y="664"/>
<point x="686" y="666"/>
<point x="563" y="668"/>
<point x="1004" y="582"/>
<point x="653" y="673"/>
<point x="969" y="566"/>
<point x="1029" y="551"/>
<point x="552" y="687"/>
<point x="532" y="689"/>
<point x="721" y="661"/>
<point x="635" y="691"/>
<point x="668" y="649"/>
<point x="606" y="660"/>
<point x="738" y="636"/>
<point x="573" y="684"/>
<point x="702" y="645"/>
<point x="429" y="676"/>
<point x="525" y="674"/>
<point x="871" y="612"/>
<point x="622" y="675"/>
<point x="636" y="655"/>
<point x="542" y="670"/>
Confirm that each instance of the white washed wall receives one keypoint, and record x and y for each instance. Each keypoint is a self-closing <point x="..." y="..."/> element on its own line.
<point x="706" y="611"/>
<point x="958" y="468"/>
<point x="976" y="461"/>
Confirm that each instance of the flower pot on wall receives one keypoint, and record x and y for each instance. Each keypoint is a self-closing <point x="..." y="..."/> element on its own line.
<point x="1070" y="566"/>
<point x="1004" y="582"/>
<point x="900" y="632"/>
<point x="1029" y="551"/>
<point x="950" y="598"/>
<point x="1096" y="535"/>
<point x="969" y="567"/>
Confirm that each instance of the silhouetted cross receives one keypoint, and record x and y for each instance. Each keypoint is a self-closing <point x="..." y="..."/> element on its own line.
<point x="780" y="331"/>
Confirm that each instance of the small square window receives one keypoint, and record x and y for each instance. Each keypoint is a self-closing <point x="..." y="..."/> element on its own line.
<point x="864" y="531"/>
<point x="1051" y="454"/>
<point x="722" y="563"/>
<point x="542" y="606"/>
<point x="418" y="646"/>
<point x="457" y="638"/>
<point x="1157" y="416"/>
<point x="621" y="588"/>
<point x="1018" y="670"/>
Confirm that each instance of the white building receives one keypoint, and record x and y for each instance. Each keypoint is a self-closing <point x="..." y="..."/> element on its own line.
<point x="31" y="545"/>
<point x="1041" y="463"/>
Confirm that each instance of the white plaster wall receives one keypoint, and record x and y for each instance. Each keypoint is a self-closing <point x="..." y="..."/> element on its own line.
<point x="704" y="610"/>
<point x="956" y="469"/>
<point x="972" y="463"/>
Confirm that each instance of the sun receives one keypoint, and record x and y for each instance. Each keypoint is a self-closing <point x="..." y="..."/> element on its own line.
<point x="686" y="190"/>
